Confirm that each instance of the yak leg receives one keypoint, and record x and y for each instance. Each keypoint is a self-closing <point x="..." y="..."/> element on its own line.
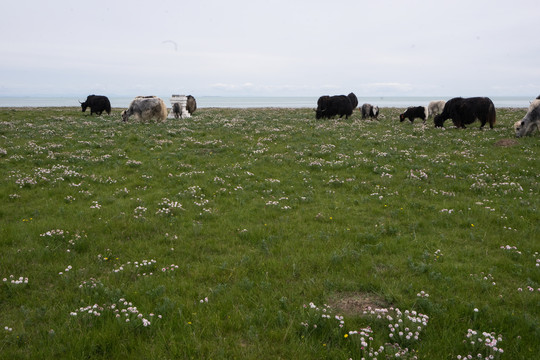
<point x="482" y="123"/>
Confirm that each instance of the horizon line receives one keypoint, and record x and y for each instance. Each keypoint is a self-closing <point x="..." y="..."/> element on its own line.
<point x="254" y="96"/>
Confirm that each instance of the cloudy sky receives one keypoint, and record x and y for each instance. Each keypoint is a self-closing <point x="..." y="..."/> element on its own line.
<point x="270" y="47"/>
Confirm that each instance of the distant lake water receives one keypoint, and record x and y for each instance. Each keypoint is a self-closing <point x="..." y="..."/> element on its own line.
<point x="258" y="101"/>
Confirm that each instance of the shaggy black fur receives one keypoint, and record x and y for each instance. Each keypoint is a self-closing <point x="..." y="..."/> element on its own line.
<point x="465" y="111"/>
<point x="414" y="112"/>
<point x="97" y="104"/>
<point x="330" y="106"/>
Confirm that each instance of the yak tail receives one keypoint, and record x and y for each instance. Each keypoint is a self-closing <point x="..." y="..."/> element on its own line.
<point x="492" y="116"/>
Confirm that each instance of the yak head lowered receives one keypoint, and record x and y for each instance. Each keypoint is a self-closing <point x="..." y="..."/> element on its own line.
<point x="530" y="121"/>
<point x="86" y="104"/>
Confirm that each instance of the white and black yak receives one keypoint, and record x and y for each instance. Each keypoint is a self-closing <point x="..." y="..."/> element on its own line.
<point x="146" y="108"/>
<point x="371" y="111"/>
<point x="97" y="104"/>
<point x="531" y="120"/>
<point x="464" y="111"/>
<point x="341" y="105"/>
<point x="414" y="112"/>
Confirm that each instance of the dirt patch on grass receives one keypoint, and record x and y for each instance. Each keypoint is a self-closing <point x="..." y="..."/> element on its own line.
<point x="507" y="142"/>
<point x="355" y="303"/>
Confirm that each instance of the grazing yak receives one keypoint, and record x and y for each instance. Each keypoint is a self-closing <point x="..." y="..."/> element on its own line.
<point x="530" y="121"/>
<point x="414" y="112"/>
<point x="369" y="110"/>
<point x="465" y="111"/>
<point x="146" y="108"/>
<point x="435" y="107"/>
<point x="330" y="106"/>
<point x="97" y="104"/>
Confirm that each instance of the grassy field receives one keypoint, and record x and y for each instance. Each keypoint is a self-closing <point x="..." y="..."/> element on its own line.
<point x="266" y="234"/>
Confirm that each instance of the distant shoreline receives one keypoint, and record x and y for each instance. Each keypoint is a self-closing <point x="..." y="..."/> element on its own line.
<point x="255" y="101"/>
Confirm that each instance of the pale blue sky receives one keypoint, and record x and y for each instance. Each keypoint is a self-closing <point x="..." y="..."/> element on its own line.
<point x="277" y="48"/>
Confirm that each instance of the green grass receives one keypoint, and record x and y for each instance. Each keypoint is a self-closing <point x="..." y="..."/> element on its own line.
<point x="261" y="212"/>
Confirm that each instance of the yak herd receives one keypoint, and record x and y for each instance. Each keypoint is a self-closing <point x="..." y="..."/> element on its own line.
<point x="462" y="111"/>
<point x="143" y="108"/>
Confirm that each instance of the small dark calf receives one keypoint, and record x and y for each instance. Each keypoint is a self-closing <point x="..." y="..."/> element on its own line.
<point x="177" y="111"/>
<point x="414" y="112"/>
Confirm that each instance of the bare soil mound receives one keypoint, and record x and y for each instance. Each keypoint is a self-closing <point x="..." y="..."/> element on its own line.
<point x="355" y="303"/>
<point x="506" y="142"/>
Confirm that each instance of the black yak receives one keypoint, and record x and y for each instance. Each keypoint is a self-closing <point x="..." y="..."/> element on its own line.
<point x="177" y="110"/>
<point x="414" y="112"/>
<point x="464" y="111"/>
<point x="330" y="106"/>
<point x="97" y="104"/>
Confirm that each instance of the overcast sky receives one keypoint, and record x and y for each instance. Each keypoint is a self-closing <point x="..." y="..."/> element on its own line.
<point x="270" y="47"/>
